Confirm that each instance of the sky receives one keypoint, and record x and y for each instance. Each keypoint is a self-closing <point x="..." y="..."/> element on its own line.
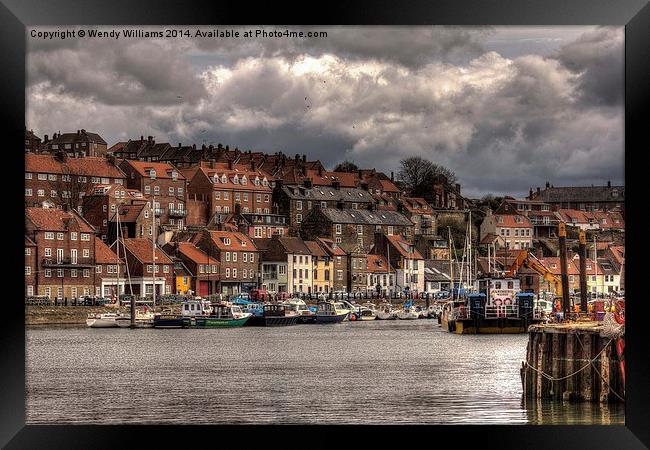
<point x="505" y="108"/>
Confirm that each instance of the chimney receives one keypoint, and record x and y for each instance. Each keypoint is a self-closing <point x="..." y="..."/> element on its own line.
<point x="320" y="170"/>
<point x="212" y="164"/>
<point x="548" y="185"/>
<point x="530" y="193"/>
<point x="340" y="204"/>
<point x="336" y="184"/>
<point x="297" y="158"/>
<point x="149" y="138"/>
<point x="304" y="171"/>
<point x="364" y="185"/>
<point x="304" y="158"/>
<point x="360" y="175"/>
<point x="237" y="208"/>
<point x="78" y="132"/>
<point x="308" y="183"/>
<point x="45" y="140"/>
<point x="538" y="190"/>
<point x="458" y="187"/>
<point x="392" y="177"/>
<point x="141" y="138"/>
<point x="230" y="164"/>
<point x="609" y="184"/>
<point x="179" y="145"/>
<point x="193" y="146"/>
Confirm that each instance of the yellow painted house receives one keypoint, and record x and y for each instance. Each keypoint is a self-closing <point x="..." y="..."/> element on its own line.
<point x="323" y="275"/>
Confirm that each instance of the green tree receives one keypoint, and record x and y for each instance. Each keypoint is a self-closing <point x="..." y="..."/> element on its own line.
<point x="346" y="166"/>
<point x="419" y="175"/>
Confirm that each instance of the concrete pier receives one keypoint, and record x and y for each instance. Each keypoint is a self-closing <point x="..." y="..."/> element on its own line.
<point x="574" y="361"/>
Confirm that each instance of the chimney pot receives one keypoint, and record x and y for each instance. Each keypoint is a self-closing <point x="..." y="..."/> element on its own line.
<point x="548" y="185"/>
<point x="304" y="158"/>
<point x="193" y="146"/>
<point x="609" y="184"/>
<point x="392" y="177"/>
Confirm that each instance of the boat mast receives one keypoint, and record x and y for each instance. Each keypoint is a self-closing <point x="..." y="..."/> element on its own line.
<point x="469" y="247"/>
<point x="451" y="263"/>
<point x="118" y="252"/>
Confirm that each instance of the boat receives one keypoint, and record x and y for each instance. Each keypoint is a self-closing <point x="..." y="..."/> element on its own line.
<point x="168" y="319"/>
<point x="408" y="313"/>
<point x="352" y="315"/>
<point x="331" y="312"/>
<point x="275" y="315"/>
<point x="365" y="313"/>
<point x="223" y="316"/>
<point x="103" y="320"/>
<point x="385" y="312"/>
<point x="305" y="314"/>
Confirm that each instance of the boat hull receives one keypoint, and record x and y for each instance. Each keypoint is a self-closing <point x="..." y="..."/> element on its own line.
<point x="273" y="321"/>
<point x="331" y="318"/>
<point x="172" y="322"/>
<point x="503" y="326"/>
<point x="101" y="323"/>
<point x="216" y="322"/>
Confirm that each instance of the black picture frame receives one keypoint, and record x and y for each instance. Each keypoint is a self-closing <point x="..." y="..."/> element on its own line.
<point x="16" y="15"/>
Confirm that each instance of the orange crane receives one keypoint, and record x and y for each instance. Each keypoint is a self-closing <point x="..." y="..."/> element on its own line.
<point x="527" y="259"/>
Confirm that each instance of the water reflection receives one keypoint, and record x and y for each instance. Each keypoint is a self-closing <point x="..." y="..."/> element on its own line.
<point x="370" y="372"/>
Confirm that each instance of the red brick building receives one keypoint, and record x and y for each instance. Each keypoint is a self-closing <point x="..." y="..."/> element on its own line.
<point x="110" y="272"/>
<point x="238" y="258"/>
<point x="109" y="204"/>
<point x="223" y="185"/>
<point x="168" y="188"/>
<point x="204" y="269"/>
<point x="79" y="144"/>
<point x="64" y="255"/>
<point x="31" y="267"/>
<point x="61" y="180"/>
<point x="139" y="257"/>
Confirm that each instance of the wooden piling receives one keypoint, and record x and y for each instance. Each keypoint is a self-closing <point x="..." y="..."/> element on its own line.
<point x="559" y="350"/>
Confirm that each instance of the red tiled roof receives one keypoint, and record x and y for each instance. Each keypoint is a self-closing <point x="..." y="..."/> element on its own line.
<point x="163" y="169"/>
<point x="377" y="263"/>
<point x="508" y="221"/>
<point x="230" y="176"/>
<point x="50" y="219"/>
<point x="89" y="166"/>
<point x="238" y="241"/>
<point x="129" y="213"/>
<point x="328" y="245"/>
<point x="142" y="250"/>
<point x="315" y="249"/>
<point x="403" y="247"/>
<point x="195" y="254"/>
<point x="103" y="253"/>
<point x="388" y="186"/>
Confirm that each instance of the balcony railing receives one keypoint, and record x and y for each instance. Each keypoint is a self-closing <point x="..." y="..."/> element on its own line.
<point x="159" y="211"/>
<point x="67" y="262"/>
<point x="177" y="213"/>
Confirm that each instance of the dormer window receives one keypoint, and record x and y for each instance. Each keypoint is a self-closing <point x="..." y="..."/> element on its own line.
<point x="244" y="180"/>
<point x="265" y="182"/>
<point x="215" y="178"/>
<point x="226" y="241"/>
<point x="174" y="175"/>
<point x="235" y="179"/>
<point x="224" y="178"/>
<point x="257" y="181"/>
<point x="243" y="243"/>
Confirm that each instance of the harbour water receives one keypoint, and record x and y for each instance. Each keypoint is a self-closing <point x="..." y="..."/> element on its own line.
<point x="376" y="372"/>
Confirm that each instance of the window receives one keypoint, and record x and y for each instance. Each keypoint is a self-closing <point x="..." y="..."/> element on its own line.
<point x="339" y="228"/>
<point x="85" y="237"/>
<point x="338" y="240"/>
<point x="166" y="268"/>
<point x="360" y="229"/>
<point x="234" y="256"/>
<point x="245" y="259"/>
<point x="28" y="270"/>
<point x="28" y="175"/>
<point x="171" y="191"/>
<point x="86" y="273"/>
<point x="42" y="176"/>
<point x="73" y="273"/>
<point x="298" y="204"/>
<point x="40" y="193"/>
<point x="49" y="235"/>
<point x="298" y="218"/>
<point x="228" y="256"/>
<point x="28" y="192"/>
<point x="156" y="190"/>
<point x="234" y="273"/>
<point x="48" y="252"/>
<point x="48" y="273"/>
<point x="86" y="253"/>
<point x="244" y="273"/>
<point x="390" y="230"/>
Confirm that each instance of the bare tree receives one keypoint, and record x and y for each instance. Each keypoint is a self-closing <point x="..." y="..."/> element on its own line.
<point x="419" y="175"/>
<point x="71" y="187"/>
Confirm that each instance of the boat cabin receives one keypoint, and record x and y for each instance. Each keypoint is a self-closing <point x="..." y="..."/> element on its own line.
<point x="192" y="308"/>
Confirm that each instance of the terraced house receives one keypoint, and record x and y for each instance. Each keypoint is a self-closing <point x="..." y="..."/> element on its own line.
<point x="79" y="144"/>
<point x="354" y="229"/>
<point x="297" y="201"/>
<point x="61" y="181"/>
<point x="63" y="257"/>
<point x="299" y="263"/>
<point x="165" y="185"/>
<point x="147" y="270"/>
<point x="238" y="259"/>
<point x="223" y="185"/>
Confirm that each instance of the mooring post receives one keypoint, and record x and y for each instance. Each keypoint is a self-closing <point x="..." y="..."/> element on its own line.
<point x="583" y="271"/>
<point x="133" y="311"/>
<point x="566" y="304"/>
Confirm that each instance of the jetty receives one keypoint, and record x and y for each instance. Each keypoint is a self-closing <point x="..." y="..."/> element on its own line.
<point x="580" y="360"/>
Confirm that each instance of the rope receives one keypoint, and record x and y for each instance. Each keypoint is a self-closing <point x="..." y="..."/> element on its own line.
<point x="590" y="363"/>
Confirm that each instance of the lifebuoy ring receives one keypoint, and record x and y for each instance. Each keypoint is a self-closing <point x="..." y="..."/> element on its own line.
<point x="507" y="301"/>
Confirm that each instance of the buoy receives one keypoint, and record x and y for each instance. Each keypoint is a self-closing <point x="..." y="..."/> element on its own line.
<point x="353" y="317"/>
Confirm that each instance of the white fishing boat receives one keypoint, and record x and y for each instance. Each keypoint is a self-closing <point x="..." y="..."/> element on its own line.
<point x="103" y="320"/>
<point x="408" y="314"/>
<point x="385" y="312"/>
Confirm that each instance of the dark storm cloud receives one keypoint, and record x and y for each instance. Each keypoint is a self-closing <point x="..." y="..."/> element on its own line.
<point x="597" y="56"/>
<point x="503" y="124"/>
